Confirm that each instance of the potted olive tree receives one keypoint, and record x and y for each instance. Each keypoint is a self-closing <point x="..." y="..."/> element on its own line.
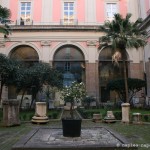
<point x="74" y="93"/>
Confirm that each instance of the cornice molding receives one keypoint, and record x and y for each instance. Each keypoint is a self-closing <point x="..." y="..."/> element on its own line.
<point x="77" y="28"/>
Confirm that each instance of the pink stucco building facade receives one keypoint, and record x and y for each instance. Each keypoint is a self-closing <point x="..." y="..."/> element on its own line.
<point x="64" y="34"/>
<point x="144" y="12"/>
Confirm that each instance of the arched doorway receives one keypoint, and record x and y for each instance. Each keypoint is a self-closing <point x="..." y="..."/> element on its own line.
<point x="26" y="54"/>
<point x="108" y="71"/>
<point x="70" y="61"/>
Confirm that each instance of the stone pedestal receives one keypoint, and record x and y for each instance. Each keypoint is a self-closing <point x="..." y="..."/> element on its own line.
<point x="11" y="113"/>
<point x="125" y="112"/>
<point x="40" y="113"/>
<point x="137" y="118"/>
<point x="109" y="117"/>
<point x="97" y="117"/>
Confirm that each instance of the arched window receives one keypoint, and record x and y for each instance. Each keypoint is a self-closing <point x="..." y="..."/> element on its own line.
<point x="108" y="71"/>
<point x="70" y="61"/>
<point x="26" y="54"/>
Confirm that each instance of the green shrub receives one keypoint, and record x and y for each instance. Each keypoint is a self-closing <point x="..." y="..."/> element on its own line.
<point x="24" y="116"/>
<point x="118" y="115"/>
<point x="146" y="118"/>
<point x="30" y="116"/>
<point x="88" y="114"/>
<point x="108" y="107"/>
<point x="54" y="115"/>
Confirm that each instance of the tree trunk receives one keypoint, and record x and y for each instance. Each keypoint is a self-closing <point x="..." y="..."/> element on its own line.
<point x="32" y="101"/>
<point x="1" y="91"/>
<point x="126" y="81"/>
<point x="71" y="110"/>
<point x="22" y="98"/>
<point x="33" y="98"/>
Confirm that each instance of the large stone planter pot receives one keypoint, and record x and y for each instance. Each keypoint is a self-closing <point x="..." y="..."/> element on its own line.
<point x="71" y="127"/>
<point x="11" y="113"/>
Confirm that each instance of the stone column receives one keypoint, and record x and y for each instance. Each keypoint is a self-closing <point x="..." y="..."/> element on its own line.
<point x="11" y="113"/>
<point x="125" y="112"/>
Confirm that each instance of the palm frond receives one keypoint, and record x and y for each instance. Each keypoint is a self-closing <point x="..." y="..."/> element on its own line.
<point x="4" y="12"/>
<point x="4" y="19"/>
<point x="122" y="33"/>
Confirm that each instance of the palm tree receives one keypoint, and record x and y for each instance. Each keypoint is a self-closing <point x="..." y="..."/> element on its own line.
<point x="4" y="19"/>
<point x="121" y="34"/>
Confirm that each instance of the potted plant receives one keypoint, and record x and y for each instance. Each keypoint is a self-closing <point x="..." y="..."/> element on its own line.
<point x="73" y="93"/>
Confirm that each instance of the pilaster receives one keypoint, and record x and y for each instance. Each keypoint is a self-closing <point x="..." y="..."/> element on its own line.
<point x="92" y="80"/>
<point x="47" y="9"/>
<point x="45" y="50"/>
<point x="90" y="7"/>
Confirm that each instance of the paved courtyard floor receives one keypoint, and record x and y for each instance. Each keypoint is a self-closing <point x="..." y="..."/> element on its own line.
<point x="135" y="134"/>
<point x="52" y="138"/>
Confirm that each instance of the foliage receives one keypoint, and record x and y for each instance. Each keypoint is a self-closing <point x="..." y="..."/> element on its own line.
<point x="24" y="78"/>
<point x="134" y="86"/>
<point x="8" y="68"/>
<point x="118" y="115"/>
<point x="108" y="106"/>
<point x="35" y="76"/>
<point x="73" y="93"/>
<point x="26" y="115"/>
<point x="4" y="19"/>
<point x="120" y="34"/>
<point x="4" y="12"/>
<point x="55" y="115"/>
<point x="88" y="99"/>
<point x="88" y="113"/>
<point x="48" y="92"/>
<point x="146" y="118"/>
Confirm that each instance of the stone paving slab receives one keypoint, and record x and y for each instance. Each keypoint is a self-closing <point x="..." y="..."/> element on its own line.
<point x="52" y="139"/>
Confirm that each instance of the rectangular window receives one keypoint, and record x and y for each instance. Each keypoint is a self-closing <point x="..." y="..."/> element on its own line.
<point x="25" y="13"/>
<point x="68" y="13"/>
<point x="111" y="9"/>
<point x="67" y="66"/>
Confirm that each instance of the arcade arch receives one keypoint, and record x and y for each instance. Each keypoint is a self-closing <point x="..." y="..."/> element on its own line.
<point x="24" y="53"/>
<point x="70" y="60"/>
<point x="109" y="71"/>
